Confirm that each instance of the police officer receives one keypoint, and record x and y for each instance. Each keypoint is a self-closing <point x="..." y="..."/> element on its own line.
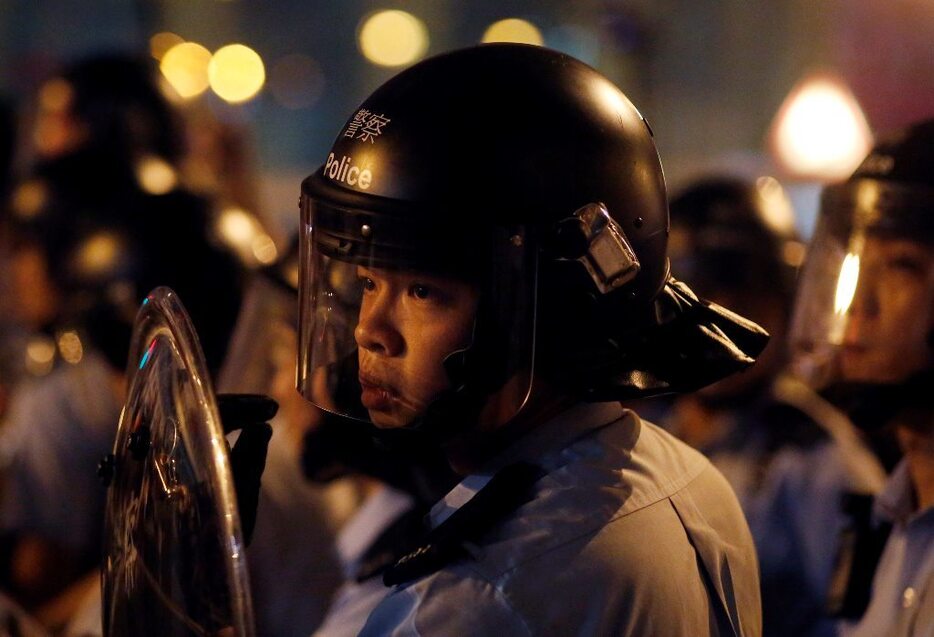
<point x="729" y="237"/>
<point x="503" y="212"/>
<point x="864" y="334"/>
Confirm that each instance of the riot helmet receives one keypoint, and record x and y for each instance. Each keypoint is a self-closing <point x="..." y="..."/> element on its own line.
<point x="520" y="192"/>
<point x="864" y="316"/>
<point x="733" y="240"/>
<point x="731" y="234"/>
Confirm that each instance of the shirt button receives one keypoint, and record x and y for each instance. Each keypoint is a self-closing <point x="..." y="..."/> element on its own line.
<point x="908" y="597"/>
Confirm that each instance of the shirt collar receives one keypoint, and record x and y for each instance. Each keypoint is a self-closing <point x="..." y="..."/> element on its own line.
<point x="372" y="518"/>
<point x="538" y="446"/>
<point x="895" y="503"/>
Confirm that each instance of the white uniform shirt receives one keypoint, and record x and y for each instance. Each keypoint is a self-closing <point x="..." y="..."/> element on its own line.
<point x="630" y="532"/>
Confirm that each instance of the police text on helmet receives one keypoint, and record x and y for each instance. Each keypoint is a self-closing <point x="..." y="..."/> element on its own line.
<point x="344" y="170"/>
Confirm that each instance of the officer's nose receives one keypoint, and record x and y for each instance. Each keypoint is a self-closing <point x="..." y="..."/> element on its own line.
<point x="376" y="331"/>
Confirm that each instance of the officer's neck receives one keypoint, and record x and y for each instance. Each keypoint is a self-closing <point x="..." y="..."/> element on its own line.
<point x="919" y="453"/>
<point x="471" y="450"/>
<point x="699" y="423"/>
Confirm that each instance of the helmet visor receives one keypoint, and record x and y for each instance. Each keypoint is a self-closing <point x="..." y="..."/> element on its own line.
<point x="402" y="314"/>
<point x="864" y="305"/>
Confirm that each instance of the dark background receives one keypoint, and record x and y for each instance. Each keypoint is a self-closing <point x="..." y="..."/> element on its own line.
<point x="708" y="74"/>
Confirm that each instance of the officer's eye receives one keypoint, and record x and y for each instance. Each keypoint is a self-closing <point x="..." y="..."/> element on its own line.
<point x="906" y="263"/>
<point x="420" y="291"/>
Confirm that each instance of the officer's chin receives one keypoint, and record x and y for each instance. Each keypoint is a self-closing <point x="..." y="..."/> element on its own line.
<point x="389" y="420"/>
<point x="861" y="365"/>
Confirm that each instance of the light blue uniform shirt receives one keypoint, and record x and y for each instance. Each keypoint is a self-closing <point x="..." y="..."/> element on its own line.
<point x="902" y="602"/>
<point x="57" y="429"/>
<point x="630" y="532"/>
<point x="354" y="600"/>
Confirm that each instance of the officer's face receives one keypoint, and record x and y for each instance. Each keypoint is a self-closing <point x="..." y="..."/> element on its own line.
<point x="892" y="313"/>
<point x="409" y="323"/>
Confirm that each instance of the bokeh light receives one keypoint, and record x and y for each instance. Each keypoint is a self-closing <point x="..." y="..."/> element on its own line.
<point x="70" y="347"/>
<point x="392" y="38"/>
<point x="779" y="214"/>
<point x="99" y="255"/>
<point x="777" y="211"/>
<point x="185" y="66"/>
<point x="40" y="355"/>
<point x="160" y="43"/>
<point x="820" y="132"/>
<point x="237" y="227"/>
<point x="29" y="198"/>
<point x="244" y="234"/>
<point x="296" y="81"/>
<point x="264" y="249"/>
<point x="513" y="30"/>
<point x="236" y="73"/>
<point x="55" y="95"/>
<point x="155" y="175"/>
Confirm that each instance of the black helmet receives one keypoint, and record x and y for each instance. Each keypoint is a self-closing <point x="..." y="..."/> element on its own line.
<point x="865" y="308"/>
<point x="731" y="234"/>
<point x="733" y="241"/>
<point x="520" y="170"/>
<point x="892" y="190"/>
<point x="497" y="136"/>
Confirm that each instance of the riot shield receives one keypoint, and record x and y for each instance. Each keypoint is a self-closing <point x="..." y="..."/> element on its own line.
<point x="174" y="562"/>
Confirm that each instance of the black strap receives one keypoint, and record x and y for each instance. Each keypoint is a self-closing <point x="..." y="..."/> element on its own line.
<point x="507" y="490"/>
<point x="859" y="549"/>
<point x="402" y="536"/>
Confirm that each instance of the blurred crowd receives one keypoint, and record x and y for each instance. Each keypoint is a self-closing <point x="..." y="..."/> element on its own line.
<point x="110" y="190"/>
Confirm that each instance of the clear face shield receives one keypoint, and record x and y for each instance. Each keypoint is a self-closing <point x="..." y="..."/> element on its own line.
<point x="407" y="319"/>
<point x="865" y="303"/>
<point x="263" y="348"/>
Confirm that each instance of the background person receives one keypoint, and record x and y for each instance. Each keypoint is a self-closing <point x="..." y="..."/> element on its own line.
<point x="864" y="334"/>
<point x="90" y="232"/>
<point x="732" y="241"/>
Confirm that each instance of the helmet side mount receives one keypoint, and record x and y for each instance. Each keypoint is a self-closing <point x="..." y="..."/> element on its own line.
<point x="592" y="237"/>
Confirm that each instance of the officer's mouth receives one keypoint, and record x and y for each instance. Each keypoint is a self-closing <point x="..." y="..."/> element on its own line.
<point x="854" y="358"/>
<point x="376" y="396"/>
<point x="379" y="395"/>
<point x="854" y="349"/>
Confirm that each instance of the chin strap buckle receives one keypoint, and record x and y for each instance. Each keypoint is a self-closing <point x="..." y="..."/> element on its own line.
<point x="593" y="237"/>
